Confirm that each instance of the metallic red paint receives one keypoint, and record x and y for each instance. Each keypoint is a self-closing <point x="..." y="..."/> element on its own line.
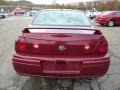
<point x="67" y="66"/>
<point x="103" y="19"/>
<point x="76" y="60"/>
<point x="61" y="51"/>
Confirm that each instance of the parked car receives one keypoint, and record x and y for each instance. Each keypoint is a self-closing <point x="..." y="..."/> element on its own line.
<point x="3" y="15"/>
<point x="109" y="18"/>
<point x="92" y="14"/>
<point x="31" y="13"/>
<point x="61" y="43"/>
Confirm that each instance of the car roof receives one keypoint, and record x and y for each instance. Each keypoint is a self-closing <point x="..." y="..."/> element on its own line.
<point x="112" y="11"/>
<point x="108" y="12"/>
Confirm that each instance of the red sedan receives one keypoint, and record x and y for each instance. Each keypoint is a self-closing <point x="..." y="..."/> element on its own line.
<point x="62" y="44"/>
<point x="109" y="18"/>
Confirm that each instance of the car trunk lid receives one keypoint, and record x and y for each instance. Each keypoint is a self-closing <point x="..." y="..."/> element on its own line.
<point x="66" y="41"/>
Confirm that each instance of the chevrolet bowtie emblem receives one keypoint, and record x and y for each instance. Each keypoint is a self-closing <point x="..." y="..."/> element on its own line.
<point x="61" y="48"/>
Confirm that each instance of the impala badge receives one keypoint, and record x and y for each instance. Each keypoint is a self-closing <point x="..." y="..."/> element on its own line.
<point x="61" y="48"/>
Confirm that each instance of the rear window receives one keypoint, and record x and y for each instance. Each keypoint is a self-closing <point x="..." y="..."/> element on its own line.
<point x="65" y="18"/>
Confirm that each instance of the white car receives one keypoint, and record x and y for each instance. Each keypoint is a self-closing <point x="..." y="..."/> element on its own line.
<point x="3" y="15"/>
<point x="91" y="14"/>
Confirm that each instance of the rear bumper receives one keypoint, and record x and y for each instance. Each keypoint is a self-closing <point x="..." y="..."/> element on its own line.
<point x="33" y="66"/>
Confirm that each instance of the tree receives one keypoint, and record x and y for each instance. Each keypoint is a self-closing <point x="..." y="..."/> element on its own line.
<point x="113" y="5"/>
<point x="101" y="6"/>
<point x="81" y="6"/>
<point x="2" y="2"/>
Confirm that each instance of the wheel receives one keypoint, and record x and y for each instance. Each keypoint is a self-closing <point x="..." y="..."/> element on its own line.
<point x="91" y="18"/>
<point x="110" y="23"/>
<point x="3" y="16"/>
<point x="102" y="24"/>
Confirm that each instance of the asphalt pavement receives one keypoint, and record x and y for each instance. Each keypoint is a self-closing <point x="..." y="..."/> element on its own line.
<point x="11" y="27"/>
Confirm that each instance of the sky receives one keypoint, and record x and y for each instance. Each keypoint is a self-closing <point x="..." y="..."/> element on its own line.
<point x="57" y="1"/>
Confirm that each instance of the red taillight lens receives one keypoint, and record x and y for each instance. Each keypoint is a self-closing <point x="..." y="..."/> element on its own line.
<point x="21" y="46"/>
<point x="102" y="46"/>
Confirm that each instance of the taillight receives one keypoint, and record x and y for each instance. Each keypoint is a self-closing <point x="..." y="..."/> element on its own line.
<point x="87" y="47"/>
<point x="21" y="45"/>
<point x="102" y="47"/>
<point x="35" y="46"/>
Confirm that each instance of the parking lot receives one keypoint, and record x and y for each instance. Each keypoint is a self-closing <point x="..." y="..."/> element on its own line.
<point x="11" y="27"/>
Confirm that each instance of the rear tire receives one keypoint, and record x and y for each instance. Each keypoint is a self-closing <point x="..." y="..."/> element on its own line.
<point x="3" y="16"/>
<point x="91" y="18"/>
<point x="111" y="23"/>
<point x="102" y="24"/>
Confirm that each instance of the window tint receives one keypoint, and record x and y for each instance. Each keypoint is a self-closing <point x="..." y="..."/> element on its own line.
<point x="61" y="18"/>
<point x="117" y="13"/>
